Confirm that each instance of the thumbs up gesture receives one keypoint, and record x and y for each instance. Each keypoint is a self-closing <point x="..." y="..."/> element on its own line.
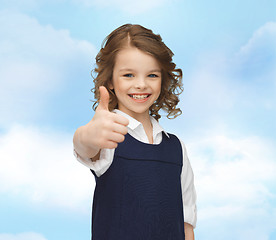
<point x="106" y="129"/>
<point x="104" y="99"/>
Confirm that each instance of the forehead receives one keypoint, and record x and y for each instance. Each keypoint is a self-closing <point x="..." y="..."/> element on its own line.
<point x="134" y="58"/>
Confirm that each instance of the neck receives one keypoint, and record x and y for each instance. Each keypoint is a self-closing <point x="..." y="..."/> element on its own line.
<point x="144" y="118"/>
<point x="146" y="122"/>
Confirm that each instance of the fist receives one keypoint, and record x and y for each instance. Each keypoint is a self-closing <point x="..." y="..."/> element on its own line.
<point x="106" y="129"/>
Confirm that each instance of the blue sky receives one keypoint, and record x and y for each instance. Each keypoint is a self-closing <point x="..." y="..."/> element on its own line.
<point x="227" y="50"/>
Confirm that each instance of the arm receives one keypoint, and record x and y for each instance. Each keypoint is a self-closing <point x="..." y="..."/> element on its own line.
<point x="188" y="195"/>
<point x="105" y="130"/>
<point x="189" y="231"/>
<point x="80" y="141"/>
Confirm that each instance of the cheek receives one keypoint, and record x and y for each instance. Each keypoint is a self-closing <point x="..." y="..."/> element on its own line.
<point x="159" y="89"/>
<point x="158" y="86"/>
<point x="116" y="84"/>
<point x="120" y="85"/>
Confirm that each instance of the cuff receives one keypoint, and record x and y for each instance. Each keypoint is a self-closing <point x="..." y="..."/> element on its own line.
<point x="190" y="215"/>
<point x="85" y="161"/>
<point x="99" y="166"/>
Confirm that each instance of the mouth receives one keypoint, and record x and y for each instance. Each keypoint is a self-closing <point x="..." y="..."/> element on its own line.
<point x="139" y="96"/>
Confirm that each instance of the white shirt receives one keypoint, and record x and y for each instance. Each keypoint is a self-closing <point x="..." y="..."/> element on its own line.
<point x="136" y="130"/>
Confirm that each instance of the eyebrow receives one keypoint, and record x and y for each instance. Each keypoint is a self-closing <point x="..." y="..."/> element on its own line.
<point x="131" y="70"/>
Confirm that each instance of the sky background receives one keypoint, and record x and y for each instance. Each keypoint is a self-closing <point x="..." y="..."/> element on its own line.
<point x="227" y="51"/>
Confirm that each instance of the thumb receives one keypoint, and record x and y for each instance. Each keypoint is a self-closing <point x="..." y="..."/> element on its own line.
<point x="104" y="99"/>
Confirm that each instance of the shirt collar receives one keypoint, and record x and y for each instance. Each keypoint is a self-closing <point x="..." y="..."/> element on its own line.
<point x="157" y="127"/>
<point x="133" y="123"/>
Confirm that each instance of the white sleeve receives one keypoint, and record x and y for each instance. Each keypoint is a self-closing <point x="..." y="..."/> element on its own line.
<point x="188" y="190"/>
<point x="99" y="166"/>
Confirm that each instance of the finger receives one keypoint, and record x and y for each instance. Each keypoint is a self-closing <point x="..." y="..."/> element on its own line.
<point x="120" y="119"/>
<point x="116" y="137"/>
<point x="104" y="99"/>
<point x="119" y="128"/>
<point x="111" y="145"/>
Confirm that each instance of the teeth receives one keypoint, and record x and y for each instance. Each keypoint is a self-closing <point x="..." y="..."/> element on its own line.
<point x="139" y="96"/>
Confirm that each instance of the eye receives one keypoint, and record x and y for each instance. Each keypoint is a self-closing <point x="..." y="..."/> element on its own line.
<point x="153" y="75"/>
<point x="128" y="75"/>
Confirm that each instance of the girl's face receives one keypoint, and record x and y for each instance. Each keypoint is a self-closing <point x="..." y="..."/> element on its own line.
<point x="136" y="81"/>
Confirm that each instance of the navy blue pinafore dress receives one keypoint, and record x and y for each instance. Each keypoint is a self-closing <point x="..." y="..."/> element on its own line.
<point x="139" y="197"/>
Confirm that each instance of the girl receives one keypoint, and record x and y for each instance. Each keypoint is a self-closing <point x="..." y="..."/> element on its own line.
<point x="144" y="181"/>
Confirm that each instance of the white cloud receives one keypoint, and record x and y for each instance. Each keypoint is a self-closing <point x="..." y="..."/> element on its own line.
<point x="240" y="88"/>
<point x="235" y="178"/>
<point x="235" y="169"/>
<point x="22" y="236"/>
<point x="35" y="61"/>
<point x="129" y="7"/>
<point x="23" y="4"/>
<point x="256" y="60"/>
<point x="38" y="165"/>
<point x="262" y="42"/>
<point x="230" y="103"/>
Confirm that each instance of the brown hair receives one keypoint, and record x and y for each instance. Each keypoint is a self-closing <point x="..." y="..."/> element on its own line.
<point x="146" y="41"/>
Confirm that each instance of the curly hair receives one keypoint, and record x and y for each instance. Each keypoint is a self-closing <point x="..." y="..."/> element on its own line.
<point x="145" y="40"/>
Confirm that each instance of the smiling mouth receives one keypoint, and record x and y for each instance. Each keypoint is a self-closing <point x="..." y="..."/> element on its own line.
<point x="139" y="96"/>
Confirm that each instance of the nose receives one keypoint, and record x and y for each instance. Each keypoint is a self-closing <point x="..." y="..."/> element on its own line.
<point x="140" y="83"/>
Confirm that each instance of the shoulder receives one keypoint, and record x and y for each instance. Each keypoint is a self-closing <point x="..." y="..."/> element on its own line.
<point x="175" y="137"/>
<point x="181" y="142"/>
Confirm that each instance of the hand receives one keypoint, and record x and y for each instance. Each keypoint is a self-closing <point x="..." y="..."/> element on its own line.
<point x="106" y="129"/>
